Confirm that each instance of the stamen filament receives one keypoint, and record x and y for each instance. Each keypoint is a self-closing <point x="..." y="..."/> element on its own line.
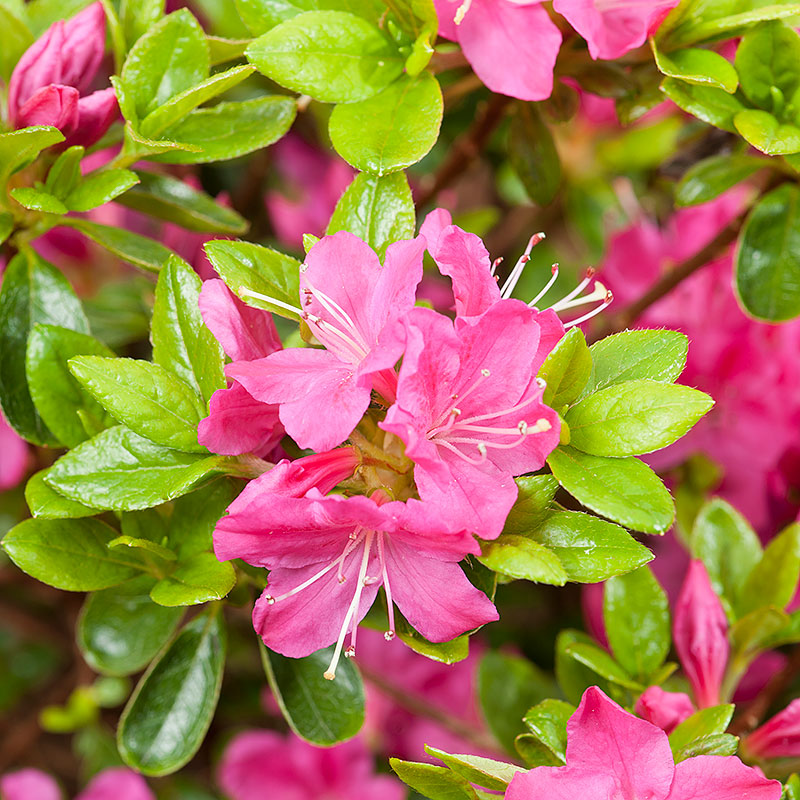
<point x="390" y="634"/>
<point x="576" y="291"/>
<point x="547" y="286"/>
<point x="594" y="312"/>
<point x="519" y="267"/>
<point x="326" y="327"/>
<point x="446" y="443"/>
<point x="335" y="310"/>
<point x="272" y="301"/>
<point x="272" y="600"/>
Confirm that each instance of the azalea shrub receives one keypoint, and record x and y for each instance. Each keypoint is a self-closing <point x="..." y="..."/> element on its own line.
<point x="400" y="399"/>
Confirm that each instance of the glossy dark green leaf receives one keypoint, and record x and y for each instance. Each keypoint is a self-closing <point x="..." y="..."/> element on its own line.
<point x="378" y="210"/>
<point x="250" y="270"/>
<point x="485" y="772"/>
<point x="198" y="579"/>
<point x="145" y="397"/>
<point x="119" y="470"/>
<point x="170" y="58"/>
<point x="332" y="56"/>
<point x="229" y="130"/>
<point x="547" y="721"/>
<point x="698" y="66"/>
<point x="182" y="344"/>
<point x="590" y="549"/>
<point x="713" y="176"/>
<point x="57" y="395"/>
<point x="636" y="615"/>
<point x="566" y="370"/>
<point x="533" y="154"/>
<point x="195" y="516"/>
<point x="33" y="291"/>
<point x="19" y="148"/>
<point x="46" y="503"/>
<point x="391" y="130"/>
<point x="767" y="261"/>
<point x="507" y="687"/>
<point x="168" y="716"/>
<point x="70" y="554"/>
<point x="635" y="417"/>
<point x="320" y="711"/>
<point x="120" y="630"/>
<point x="176" y="201"/>
<point x="658" y="355"/>
<point x="714" y="106"/>
<point x="624" y="490"/>
<point x="435" y="783"/>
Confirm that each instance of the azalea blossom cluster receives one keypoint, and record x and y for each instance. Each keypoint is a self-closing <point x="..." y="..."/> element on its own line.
<point x="432" y="447"/>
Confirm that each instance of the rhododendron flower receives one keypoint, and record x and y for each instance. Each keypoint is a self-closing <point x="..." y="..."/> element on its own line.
<point x="117" y="783"/>
<point x="613" y="754"/>
<point x="26" y="784"/>
<point x="664" y="709"/>
<point x="511" y="44"/>
<point x="779" y="737"/>
<point x="613" y="27"/>
<point x="354" y="307"/>
<point x="48" y="82"/>
<point x="700" y="631"/>
<point x="469" y="410"/>
<point x="238" y="423"/>
<point x="257" y="765"/>
<point x="328" y="556"/>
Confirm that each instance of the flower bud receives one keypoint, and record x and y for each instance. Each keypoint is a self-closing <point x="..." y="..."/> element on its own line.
<point x="84" y="47"/>
<point x="665" y="709"/>
<point x="51" y="105"/>
<point x="779" y="737"/>
<point x="96" y="112"/>
<point x="700" y="633"/>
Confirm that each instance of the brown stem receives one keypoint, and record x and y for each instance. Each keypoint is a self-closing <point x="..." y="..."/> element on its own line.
<point x="465" y="149"/>
<point x="423" y="708"/>
<point x="757" y="709"/>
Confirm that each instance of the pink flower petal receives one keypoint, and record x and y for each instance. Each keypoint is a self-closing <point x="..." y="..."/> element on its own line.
<point x="720" y="778"/>
<point x="664" y="709"/>
<point x="96" y="112"/>
<point x="561" y="783"/>
<point x="39" y="66"/>
<point x="14" y="456"/>
<point x="118" y="783"/>
<point x="51" y="105"/>
<point x="84" y="47"/>
<point x="27" y="784"/>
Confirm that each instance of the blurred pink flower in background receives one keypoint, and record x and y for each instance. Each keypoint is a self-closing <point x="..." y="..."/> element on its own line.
<point x="14" y="456"/>
<point x="116" y="783"/>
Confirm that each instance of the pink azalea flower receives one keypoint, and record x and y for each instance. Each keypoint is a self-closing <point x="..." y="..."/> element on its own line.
<point x="511" y="44"/>
<point x="664" y="709"/>
<point x="469" y="410"/>
<point x="328" y="556"/>
<point x="613" y="754"/>
<point x="700" y="631"/>
<point x="48" y="83"/>
<point x="354" y="307"/>
<point x="779" y="737"/>
<point x="263" y="764"/>
<point x="613" y="27"/>
<point x="27" y="784"/>
<point x="314" y="180"/>
<point x="117" y="783"/>
<point x="238" y="423"/>
<point x="14" y="456"/>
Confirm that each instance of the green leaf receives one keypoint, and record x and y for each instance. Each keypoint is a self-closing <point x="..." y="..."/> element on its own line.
<point x="635" y="417"/>
<point x="624" y="490"/>
<point x="391" y="130"/>
<point x="167" y="198"/>
<point x="566" y="370"/>
<point x="99" y="188"/>
<point x="147" y="545"/>
<point x="767" y="261"/>
<point x="636" y="615"/>
<point x="767" y="134"/>
<point x="250" y="268"/>
<point x="435" y="783"/>
<point x="708" y="104"/>
<point x="767" y="59"/>
<point x="600" y="662"/>
<point x="131" y="247"/>
<point x="229" y="130"/>
<point x="57" y="395"/>
<point x="486" y="772"/>
<point x="120" y="630"/>
<point x="547" y="721"/>
<point x="706" y="722"/>
<point x="533" y="154"/>
<point x="321" y="712"/>
<point x="756" y="631"/>
<point x="65" y="174"/>
<point x="38" y="200"/>
<point x="773" y="580"/>
<point x="721" y="744"/>
<point x="332" y="56"/>
<point x="139" y="16"/>
<point x="70" y="554"/>
<point x="507" y="687"/>
<point x="145" y="397"/>
<point x="20" y="148"/>
<point x="697" y="66"/>
<point x="522" y="557"/>
<point x="46" y="503"/>
<point x="590" y="549"/>
<point x="573" y="677"/>
<point x="195" y="516"/>
<point x="444" y="652"/>
<point x="170" y="58"/>
<point x="713" y="176"/>
<point x="179" y="106"/>
<point x="378" y="210"/>
<point x="119" y="470"/>
<point x="17" y="38"/>
<point x="637" y="355"/>
<point x="724" y="541"/>
<point x="6" y="225"/>
<point x="199" y="579"/>
<point x="33" y="291"/>
<point x="791" y="789"/>
<point x="533" y="505"/>
<point x="168" y="715"/>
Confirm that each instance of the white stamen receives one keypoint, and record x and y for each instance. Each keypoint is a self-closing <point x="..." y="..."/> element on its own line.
<point x="336" y="311"/>
<point x="547" y="287"/>
<point x="592" y="313"/>
<point x="272" y="301"/>
<point x="495" y="264"/>
<point x="390" y="634"/>
<point x="519" y="267"/>
<point x="461" y="12"/>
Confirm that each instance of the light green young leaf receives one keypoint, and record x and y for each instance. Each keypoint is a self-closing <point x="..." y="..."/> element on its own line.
<point x="38" y="200"/>
<point x="773" y="581"/>
<point x="435" y="783"/>
<point x="99" y="188"/>
<point x="199" y="579"/>
<point x="566" y="370"/>
<point x="486" y="772"/>
<point x="19" y="148"/>
<point x="711" y="105"/>
<point x="712" y="176"/>
<point x="766" y="133"/>
<point x="46" y="503"/>
<point x="65" y="174"/>
<point x="522" y="557"/>
<point x="697" y="66"/>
